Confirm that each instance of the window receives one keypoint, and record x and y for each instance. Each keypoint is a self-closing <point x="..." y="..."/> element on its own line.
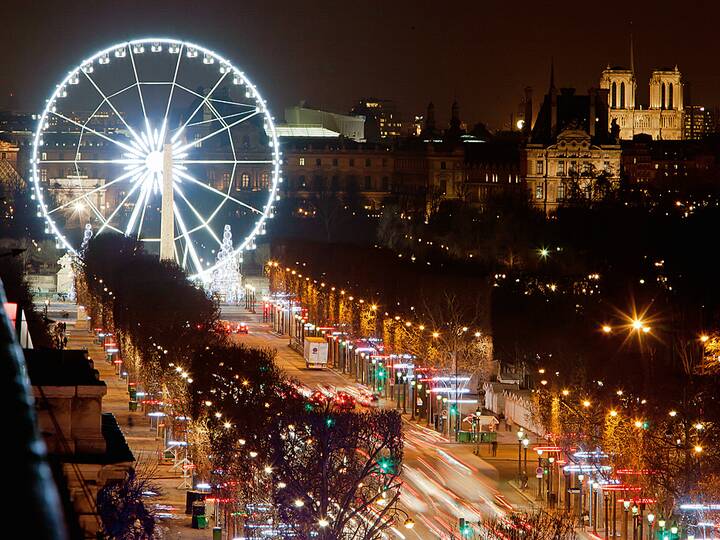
<point x="264" y="180"/>
<point x="352" y="162"/>
<point x="385" y="183"/>
<point x="561" y="168"/>
<point x="442" y="165"/>
<point x="539" y="167"/>
<point x="368" y="162"/>
<point x="368" y="183"/>
<point x="4" y="156"/>
<point x="335" y="162"/>
<point x="43" y="175"/>
<point x="43" y="156"/>
<point x="335" y="183"/>
<point x="561" y="192"/>
<point x="622" y="95"/>
<point x="538" y="191"/>
<point x="573" y="166"/>
<point x="318" y="162"/>
<point x="301" y="161"/>
<point x="226" y="179"/>
<point x="606" y="165"/>
<point x="245" y="181"/>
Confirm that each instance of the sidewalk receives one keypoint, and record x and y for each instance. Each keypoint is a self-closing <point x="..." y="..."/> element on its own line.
<point x="146" y="448"/>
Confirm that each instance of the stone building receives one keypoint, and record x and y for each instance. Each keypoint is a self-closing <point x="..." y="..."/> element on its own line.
<point x="663" y="119"/>
<point x="85" y="445"/>
<point x="571" y="154"/>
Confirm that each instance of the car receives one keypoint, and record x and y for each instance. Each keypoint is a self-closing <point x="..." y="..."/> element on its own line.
<point x="344" y="401"/>
<point x="241" y="328"/>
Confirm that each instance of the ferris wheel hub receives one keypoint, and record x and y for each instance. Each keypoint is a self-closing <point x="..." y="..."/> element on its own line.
<point x="154" y="161"/>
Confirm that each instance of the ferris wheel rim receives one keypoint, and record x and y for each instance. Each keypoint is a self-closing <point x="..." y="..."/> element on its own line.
<point x="275" y="178"/>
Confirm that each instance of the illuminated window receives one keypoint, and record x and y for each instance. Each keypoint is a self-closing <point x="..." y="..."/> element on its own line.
<point x="561" y="168"/>
<point x="561" y="192"/>
<point x="538" y="192"/>
<point x="43" y="175"/>
<point x="245" y="181"/>
<point x="264" y="181"/>
<point x="301" y="161"/>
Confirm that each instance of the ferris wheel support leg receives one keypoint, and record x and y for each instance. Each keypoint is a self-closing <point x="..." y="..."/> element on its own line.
<point x="167" y="219"/>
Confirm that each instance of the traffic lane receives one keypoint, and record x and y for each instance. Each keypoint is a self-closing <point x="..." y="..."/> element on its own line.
<point x="444" y="482"/>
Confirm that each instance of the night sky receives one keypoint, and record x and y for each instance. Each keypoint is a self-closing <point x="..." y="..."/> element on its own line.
<point x="330" y="53"/>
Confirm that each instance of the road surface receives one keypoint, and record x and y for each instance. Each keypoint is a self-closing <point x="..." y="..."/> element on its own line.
<point x="443" y="481"/>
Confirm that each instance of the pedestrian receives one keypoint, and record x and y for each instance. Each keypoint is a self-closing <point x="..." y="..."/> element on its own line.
<point x="494" y="448"/>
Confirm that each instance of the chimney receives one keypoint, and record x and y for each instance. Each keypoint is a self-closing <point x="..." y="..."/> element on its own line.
<point x="528" y="111"/>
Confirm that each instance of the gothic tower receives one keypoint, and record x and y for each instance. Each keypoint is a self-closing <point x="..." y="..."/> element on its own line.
<point x="666" y="90"/>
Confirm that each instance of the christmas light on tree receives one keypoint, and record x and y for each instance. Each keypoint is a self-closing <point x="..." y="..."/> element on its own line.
<point x="226" y="276"/>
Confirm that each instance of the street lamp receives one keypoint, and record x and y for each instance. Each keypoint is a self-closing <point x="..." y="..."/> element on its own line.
<point x="478" y="414"/>
<point x="521" y="436"/>
<point x="525" y="443"/>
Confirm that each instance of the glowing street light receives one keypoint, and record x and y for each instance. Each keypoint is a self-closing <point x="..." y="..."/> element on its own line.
<point x="606" y="328"/>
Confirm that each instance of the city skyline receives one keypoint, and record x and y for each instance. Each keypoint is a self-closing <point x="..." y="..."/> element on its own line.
<point x="398" y="52"/>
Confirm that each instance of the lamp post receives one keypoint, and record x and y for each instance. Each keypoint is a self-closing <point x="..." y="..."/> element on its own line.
<point x="651" y="519"/>
<point x="525" y="442"/>
<point x="521" y="436"/>
<point x="539" y="479"/>
<point x="626" y="509"/>
<point x="634" y="513"/>
<point x="478" y="414"/>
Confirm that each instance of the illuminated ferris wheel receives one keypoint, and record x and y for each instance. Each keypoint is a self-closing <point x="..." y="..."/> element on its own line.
<point x="161" y="140"/>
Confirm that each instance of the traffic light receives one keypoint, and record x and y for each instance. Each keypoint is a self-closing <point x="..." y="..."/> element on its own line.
<point x="464" y="528"/>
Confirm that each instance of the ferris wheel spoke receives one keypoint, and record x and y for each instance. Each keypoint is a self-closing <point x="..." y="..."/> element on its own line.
<point x="142" y="214"/>
<point x="106" y="99"/>
<point x="120" y="178"/>
<point x="216" y="191"/>
<point x="203" y="222"/>
<point x="188" y="240"/>
<point x="218" y="118"/>
<point x="140" y="94"/>
<point x="94" y="132"/>
<point x="222" y="161"/>
<point x="215" y="100"/>
<point x="170" y="95"/>
<point x="139" y="204"/>
<point x="203" y="102"/>
<point x="216" y="132"/>
<point x="96" y="161"/>
<point x="133" y="189"/>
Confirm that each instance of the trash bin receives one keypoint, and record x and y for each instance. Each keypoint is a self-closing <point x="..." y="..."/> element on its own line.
<point x="192" y="497"/>
<point x="217" y="533"/>
<point x="132" y="391"/>
<point x="133" y="405"/>
<point x="199" y="522"/>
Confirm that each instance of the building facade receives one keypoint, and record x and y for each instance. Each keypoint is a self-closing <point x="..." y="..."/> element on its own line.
<point x="571" y="156"/>
<point x="662" y="120"/>
<point x="382" y="121"/>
